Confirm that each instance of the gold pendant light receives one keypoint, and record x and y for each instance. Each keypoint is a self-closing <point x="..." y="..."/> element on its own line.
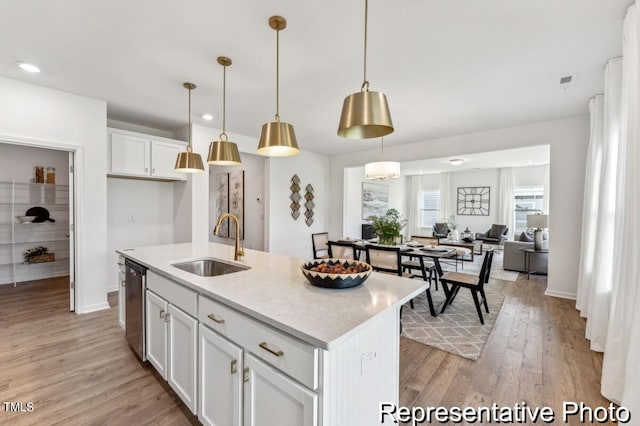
<point x="189" y="161"/>
<point x="223" y="152"/>
<point x="365" y="114"/>
<point x="278" y="138"/>
<point x="382" y="170"/>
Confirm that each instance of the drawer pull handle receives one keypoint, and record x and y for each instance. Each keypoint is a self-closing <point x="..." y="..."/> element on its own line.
<point x="161" y="313"/>
<point x="266" y="347"/>
<point x="234" y="366"/>
<point x="213" y="318"/>
<point x="167" y="317"/>
<point x="245" y="374"/>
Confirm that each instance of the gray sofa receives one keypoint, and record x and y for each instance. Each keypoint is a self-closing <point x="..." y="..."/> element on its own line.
<point x="513" y="259"/>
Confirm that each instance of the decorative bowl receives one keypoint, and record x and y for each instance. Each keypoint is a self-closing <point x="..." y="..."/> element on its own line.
<point x="26" y="219"/>
<point x="333" y="280"/>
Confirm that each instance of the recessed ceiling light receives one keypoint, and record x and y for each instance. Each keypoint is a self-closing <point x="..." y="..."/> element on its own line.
<point x="456" y="161"/>
<point x="207" y="117"/>
<point x="29" y="67"/>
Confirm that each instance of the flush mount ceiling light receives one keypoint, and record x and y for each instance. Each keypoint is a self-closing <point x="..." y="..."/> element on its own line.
<point x="456" y="161"/>
<point x="189" y="161"/>
<point x="365" y="114"/>
<point x="29" y="67"/>
<point x="223" y="152"/>
<point x="382" y="170"/>
<point x="277" y="138"/>
<point x="207" y="117"/>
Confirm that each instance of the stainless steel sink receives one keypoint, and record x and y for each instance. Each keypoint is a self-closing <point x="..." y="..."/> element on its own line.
<point x="210" y="267"/>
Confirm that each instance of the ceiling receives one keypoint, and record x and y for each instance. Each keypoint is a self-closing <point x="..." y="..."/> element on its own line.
<point x="447" y="67"/>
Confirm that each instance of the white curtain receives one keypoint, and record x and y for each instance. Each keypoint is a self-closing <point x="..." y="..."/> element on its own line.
<point x="505" y="199"/>
<point x="546" y="189"/>
<point x="598" y="308"/>
<point x="413" y="206"/>
<point x="620" y="372"/>
<point x="446" y="209"/>
<point x="590" y="204"/>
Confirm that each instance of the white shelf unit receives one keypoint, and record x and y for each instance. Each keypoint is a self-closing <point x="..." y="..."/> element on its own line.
<point x="16" y="238"/>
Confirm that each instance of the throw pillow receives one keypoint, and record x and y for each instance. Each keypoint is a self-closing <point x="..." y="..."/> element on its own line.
<point x="496" y="231"/>
<point x="525" y="237"/>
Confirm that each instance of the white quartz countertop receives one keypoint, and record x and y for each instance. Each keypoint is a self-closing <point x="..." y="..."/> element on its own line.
<point x="275" y="292"/>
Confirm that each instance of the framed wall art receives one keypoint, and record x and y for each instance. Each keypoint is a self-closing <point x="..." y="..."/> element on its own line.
<point x="375" y="199"/>
<point x="236" y="201"/>
<point x="474" y="200"/>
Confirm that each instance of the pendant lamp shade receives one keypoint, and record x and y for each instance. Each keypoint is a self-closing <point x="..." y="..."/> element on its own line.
<point x="278" y="138"/>
<point x="382" y="170"/>
<point x="189" y="161"/>
<point x="365" y="114"/>
<point x="224" y="152"/>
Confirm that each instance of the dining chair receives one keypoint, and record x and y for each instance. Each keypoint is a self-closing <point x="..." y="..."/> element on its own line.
<point x="342" y="250"/>
<point x="417" y="262"/>
<point x="387" y="259"/>
<point x="319" y="242"/>
<point x="475" y="284"/>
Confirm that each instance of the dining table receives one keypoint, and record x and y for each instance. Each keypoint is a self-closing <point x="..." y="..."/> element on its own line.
<point x="434" y="253"/>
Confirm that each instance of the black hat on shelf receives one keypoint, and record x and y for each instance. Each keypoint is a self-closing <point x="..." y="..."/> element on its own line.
<point x="41" y="214"/>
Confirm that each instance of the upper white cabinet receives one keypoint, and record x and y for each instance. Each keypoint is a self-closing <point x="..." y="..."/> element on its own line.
<point x="137" y="155"/>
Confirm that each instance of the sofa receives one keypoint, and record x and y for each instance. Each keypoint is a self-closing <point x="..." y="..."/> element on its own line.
<point x="513" y="258"/>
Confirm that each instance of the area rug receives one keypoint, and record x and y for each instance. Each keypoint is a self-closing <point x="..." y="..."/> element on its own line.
<point x="458" y="330"/>
<point x="473" y="268"/>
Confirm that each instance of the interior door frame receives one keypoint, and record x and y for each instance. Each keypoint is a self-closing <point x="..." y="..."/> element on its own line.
<point x="77" y="151"/>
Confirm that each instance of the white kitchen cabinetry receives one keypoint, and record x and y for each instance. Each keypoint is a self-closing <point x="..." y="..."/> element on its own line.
<point x="122" y="293"/>
<point x="221" y="366"/>
<point x="171" y="340"/>
<point x="142" y="156"/>
<point x="271" y="398"/>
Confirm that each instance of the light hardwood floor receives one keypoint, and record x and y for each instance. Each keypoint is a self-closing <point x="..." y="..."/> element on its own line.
<point x="78" y="369"/>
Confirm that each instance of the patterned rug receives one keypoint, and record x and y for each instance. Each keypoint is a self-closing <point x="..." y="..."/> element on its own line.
<point x="458" y="330"/>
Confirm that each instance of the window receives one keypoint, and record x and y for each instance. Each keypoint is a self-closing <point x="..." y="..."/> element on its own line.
<point x="527" y="200"/>
<point x="429" y="208"/>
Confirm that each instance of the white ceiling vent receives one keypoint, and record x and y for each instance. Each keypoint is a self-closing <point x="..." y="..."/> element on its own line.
<point x="568" y="81"/>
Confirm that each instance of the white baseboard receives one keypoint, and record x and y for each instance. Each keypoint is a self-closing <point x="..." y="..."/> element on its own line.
<point x="94" y="308"/>
<point x="112" y="288"/>
<point x="560" y="294"/>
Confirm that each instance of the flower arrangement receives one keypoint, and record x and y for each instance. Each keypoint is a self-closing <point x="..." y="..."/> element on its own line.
<point x="388" y="226"/>
<point x="38" y="254"/>
<point x="451" y="222"/>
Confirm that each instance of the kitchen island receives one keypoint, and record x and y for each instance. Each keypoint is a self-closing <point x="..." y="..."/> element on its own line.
<point x="263" y="346"/>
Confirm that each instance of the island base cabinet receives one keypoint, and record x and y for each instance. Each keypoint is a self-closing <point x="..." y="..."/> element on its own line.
<point x="220" y="380"/>
<point x="183" y="352"/>
<point x="156" y="332"/>
<point x="273" y="399"/>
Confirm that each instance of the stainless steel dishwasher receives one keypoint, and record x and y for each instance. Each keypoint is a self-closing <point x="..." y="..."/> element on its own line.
<point x="135" y="285"/>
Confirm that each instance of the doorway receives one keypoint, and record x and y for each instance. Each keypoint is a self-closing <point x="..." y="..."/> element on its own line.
<point x="37" y="211"/>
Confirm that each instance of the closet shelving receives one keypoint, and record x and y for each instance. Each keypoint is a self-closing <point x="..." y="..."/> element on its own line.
<point x="16" y="237"/>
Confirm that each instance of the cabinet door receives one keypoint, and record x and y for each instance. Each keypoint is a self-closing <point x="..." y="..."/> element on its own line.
<point x="220" y="392"/>
<point x="130" y="155"/>
<point x="163" y="160"/>
<point x="272" y="399"/>
<point x="156" y="332"/>
<point x="122" y="299"/>
<point x="183" y="341"/>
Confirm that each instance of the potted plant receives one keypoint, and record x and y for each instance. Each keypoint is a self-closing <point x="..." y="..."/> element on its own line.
<point x="38" y="254"/>
<point x="451" y="223"/>
<point x="388" y="227"/>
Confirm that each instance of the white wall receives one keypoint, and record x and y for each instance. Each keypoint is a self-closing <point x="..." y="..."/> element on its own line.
<point x="528" y="176"/>
<point x="466" y="178"/>
<point x="37" y="116"/>
<point x="139" y="213"/>
<point x="286" y="235"/>
<point x="253" y="166"/>
<point x="354" y="176"/>
<point x="568" y="139"/>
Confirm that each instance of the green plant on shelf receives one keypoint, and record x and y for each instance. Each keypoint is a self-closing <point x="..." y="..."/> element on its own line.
<point x="32" y="253"/>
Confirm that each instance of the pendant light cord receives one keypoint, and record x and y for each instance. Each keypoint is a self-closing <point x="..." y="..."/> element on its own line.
<point x="381" y="149"/>
<point x="223" y="135"/>
<point x="365" y="84"/>
<point x="189" y="148"/>
<point x="277" y="75"/>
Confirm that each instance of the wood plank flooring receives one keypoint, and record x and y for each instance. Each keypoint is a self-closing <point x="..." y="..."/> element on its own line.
<point x="78" y="369"/>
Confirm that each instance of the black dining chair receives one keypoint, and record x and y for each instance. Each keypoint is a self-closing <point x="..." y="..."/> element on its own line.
<point x="342" y="250"/>
<point x="387" y="259"/>
<point x="416" y="262"/>
<point x="475" y="284"/>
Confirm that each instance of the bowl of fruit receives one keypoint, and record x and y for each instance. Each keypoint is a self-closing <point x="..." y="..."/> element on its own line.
<point x="336" y="273"/>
